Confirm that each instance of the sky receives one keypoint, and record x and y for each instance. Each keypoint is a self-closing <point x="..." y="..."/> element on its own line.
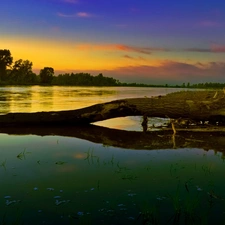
<point x="142" y="41"/>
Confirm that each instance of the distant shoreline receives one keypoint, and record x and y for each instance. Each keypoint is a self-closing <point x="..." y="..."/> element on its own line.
<point x="195" y="86"/>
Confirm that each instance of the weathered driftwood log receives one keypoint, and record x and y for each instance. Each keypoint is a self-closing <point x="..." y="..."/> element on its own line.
<point x="196" y="106"/>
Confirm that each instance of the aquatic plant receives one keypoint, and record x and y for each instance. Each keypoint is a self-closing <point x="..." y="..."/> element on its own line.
<point x="177" y="206"/>
<point x="191" y="204"/>
<point x="17" y="221"/>
<point x="129" y="176"/>
<point x="22" y="155"/>
<point x="3" y="164"/>
<point x="149" y="214"/>
<point x="207" y="169"/>
<point x="90" y="155"/>
<point x="60" y="162"/>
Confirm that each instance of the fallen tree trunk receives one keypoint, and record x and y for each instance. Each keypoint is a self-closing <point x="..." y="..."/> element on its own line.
<point x="196" y="106"/>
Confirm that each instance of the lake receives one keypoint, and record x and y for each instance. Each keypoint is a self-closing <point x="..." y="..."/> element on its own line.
<point x="94" y="175"/>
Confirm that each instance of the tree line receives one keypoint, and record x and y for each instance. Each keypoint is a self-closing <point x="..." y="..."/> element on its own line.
<point x="20" y="73"/>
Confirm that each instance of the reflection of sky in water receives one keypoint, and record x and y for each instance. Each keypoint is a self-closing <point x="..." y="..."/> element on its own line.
<point x="63" y="180"/>
<point x="55" y="177"/>
<point x="132" y="123"/>
<point x="124" y="123"/>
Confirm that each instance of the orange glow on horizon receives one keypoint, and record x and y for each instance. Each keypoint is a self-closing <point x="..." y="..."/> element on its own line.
<point x="113" y="60"/>
<point x="70" y="56"/>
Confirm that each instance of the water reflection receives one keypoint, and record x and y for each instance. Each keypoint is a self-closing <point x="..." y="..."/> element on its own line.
<point x="64" y="180"/>
<point x="151" y="140"/>
<point x="5" y="103"/>
<point x="95" y="175"/>
<point x="54" y="98"/>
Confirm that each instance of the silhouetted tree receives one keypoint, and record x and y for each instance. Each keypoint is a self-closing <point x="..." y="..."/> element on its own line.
<point x="46" y="75"/>
<point x="5" y="60"/>
<point x="22" y="72"/>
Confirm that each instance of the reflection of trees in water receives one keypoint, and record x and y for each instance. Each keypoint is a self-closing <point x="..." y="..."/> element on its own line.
<point x="46" y="98"/>
<point x="4" y="104"/>
<point x="98" y="93"/>
<point x="15" y="99"/>
<point x="88" y="92"/>
<point x="42" y="98"/>
<point x="20" y="99"/>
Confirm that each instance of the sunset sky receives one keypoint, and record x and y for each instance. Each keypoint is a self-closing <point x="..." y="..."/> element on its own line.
<point x="142" y="41"/>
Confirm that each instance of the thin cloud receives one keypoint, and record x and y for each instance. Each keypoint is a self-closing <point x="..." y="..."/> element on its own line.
<point x="84" y="15"/>
<point x="79" y="14"/>
<point x="66" y="15"/>
<point x="214" y="48"/>
<point x="197" y="50"/>
<point x="121" y="47"/>
<point x="128" y="48"/>
<point x="171" y="72"/>
<point x="218" y="48"/>
<point x="71" y="1"/>
<point x="128" y="57"/>
<point x="133" y="58"/>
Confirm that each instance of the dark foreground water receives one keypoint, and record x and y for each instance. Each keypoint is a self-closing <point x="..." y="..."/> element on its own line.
<point x="62" y="180"/>
<point x="56" y="179"/>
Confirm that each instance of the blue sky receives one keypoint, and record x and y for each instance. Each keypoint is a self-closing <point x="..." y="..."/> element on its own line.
<point x="132" y="40"/>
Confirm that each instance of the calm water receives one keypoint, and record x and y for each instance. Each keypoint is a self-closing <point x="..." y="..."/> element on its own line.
<point x="65" y="180"/>
<point x="38" y="98"/>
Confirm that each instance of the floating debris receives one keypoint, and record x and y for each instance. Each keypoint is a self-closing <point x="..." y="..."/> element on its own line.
<point x="198" y="188"/>
<point x="92" y="189"/>
<point x="10" y="202"/>
<point x="57" y="197"/>
<point x="39" y="211"/>
<point x="35" y="188"/>
<point x="132" y="194"/>
<point x="101" y="210"/>
<point x="61" y="191"/>
<point x="50" y="189"/>
<point x="120" y="205"/>
<point x="123" y="209"/>
<point x="80" y="213"/>
<point x="57" y="202"/>
<point x="7" y="202"/>
<point x="7" y="197"/>
<point x="160" y="198"/>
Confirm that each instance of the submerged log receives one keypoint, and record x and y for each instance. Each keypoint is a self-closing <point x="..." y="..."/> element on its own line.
<point x="196" y="106"/>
